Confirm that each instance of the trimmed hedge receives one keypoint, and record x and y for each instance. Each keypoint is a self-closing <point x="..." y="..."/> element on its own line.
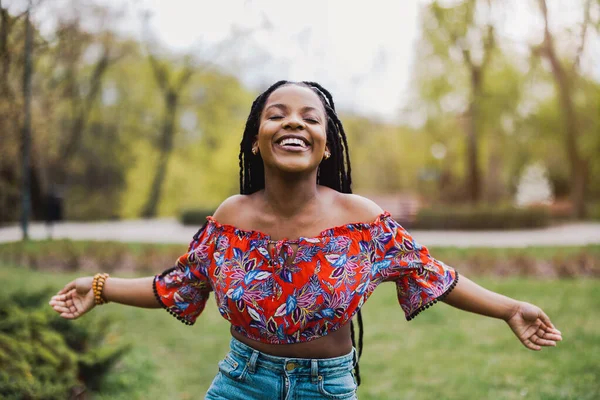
<point x="195" y="216"/>
<point x="46" y="357"/>
<point x="480" y="218"/>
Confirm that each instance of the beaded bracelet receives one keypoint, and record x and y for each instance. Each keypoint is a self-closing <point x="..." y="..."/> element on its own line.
<point x="98" y="287"/>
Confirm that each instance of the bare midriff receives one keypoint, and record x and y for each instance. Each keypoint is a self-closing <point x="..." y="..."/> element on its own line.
<point x="335" y="344"/>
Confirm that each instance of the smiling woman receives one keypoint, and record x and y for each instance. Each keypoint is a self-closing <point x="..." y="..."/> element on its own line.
<point x="292" y="259"/>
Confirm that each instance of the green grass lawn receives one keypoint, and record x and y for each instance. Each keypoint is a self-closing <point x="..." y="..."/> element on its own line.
<point x="443" y="354"/>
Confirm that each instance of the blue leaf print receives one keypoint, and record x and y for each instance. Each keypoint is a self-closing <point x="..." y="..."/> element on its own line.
<point x="286" y="275"/>
<point x="237" y="293"/>
<point x="290" y="303"/>
<point x="360" y="289"/>
<point x="249" y="277"/>
<point x="379" y="265"/>
<point x="182" y="306"/>
<point x="337" y="260"/>
<point x="255" y="275"/>
<point x="280" y="334"/>
<point x="238" y="254"/>
<point x="306" y="253"/>
<point x="264" y="252"/>
<point x="314" y="285"/>
<point x="328" y="313"/>
<point x="364" y="246"/>
<point x="219" y="258"/>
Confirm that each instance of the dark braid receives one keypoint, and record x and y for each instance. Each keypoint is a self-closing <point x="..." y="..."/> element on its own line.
<point x="333" y="172"/>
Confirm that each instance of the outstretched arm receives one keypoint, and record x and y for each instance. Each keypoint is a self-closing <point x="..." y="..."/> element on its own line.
<point x="527" y="321"/>
<point x="77" y="297"/>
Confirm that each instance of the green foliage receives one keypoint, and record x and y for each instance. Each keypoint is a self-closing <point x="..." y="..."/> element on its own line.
<point x="444" y="353"/>
<point x="195" y="217"/>
<point x="46" y="357"/>
<point x="481" y="218"/>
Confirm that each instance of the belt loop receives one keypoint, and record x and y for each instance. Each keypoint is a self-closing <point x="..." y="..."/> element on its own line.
<point x="252" y="362"/>
<point x="314" y="370"/>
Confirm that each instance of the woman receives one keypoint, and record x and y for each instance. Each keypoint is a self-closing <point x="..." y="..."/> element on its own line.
<point x="293" y="258"/>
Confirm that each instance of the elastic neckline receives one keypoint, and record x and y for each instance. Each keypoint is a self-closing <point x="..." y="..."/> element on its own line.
<point x="333" y="231"/>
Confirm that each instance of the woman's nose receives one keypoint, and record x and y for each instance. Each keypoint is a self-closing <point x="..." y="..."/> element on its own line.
<point x="293" y="123"/>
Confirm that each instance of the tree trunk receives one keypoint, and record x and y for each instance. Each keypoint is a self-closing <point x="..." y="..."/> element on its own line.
<point x="577" y="165"/>
<point x="494" y="183"/>
<point x="166" y="142"/>
<point x="473" y="173"/>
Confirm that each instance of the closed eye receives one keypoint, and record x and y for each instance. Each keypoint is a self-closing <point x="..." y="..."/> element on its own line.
<point x="275" y="117"/>
<point x="311" y="120"/>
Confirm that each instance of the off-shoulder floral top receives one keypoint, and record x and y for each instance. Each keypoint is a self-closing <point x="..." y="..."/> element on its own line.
<point x="272" y="295"/>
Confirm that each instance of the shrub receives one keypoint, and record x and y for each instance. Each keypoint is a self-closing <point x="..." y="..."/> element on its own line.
<point x="46" y="357"/>
<point x="480" y="218"/>
<point x="195" y="216"/>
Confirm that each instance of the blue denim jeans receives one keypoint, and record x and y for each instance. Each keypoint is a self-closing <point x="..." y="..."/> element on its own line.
<point x="247" y="374"/>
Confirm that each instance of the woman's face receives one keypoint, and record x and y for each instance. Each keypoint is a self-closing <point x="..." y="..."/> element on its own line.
<point x="292" y="134"/>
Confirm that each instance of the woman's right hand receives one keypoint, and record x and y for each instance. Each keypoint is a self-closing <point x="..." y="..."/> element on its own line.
<point x="75" y="299"/>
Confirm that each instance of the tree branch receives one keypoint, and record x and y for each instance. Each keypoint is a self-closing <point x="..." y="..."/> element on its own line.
<point x="159" y="73"/>
<point x="584" y="29"/>
<point x="185" y="76"/>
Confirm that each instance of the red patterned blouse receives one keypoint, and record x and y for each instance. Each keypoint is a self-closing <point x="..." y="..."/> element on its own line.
<point x="272" y="295"/>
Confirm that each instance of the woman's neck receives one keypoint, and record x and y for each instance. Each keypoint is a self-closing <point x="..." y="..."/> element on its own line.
<point x="289" y="195"/>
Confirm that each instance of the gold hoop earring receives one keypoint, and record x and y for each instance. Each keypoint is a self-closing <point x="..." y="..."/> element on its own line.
<point x="327" y="155"/>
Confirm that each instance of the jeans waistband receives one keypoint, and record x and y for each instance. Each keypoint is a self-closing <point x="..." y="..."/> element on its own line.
<point x="290" y="365"/>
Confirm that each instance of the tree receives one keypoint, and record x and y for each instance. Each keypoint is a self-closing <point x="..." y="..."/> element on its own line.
<point x="566" y="77"/>
<point x="11" y="35"/>
<point x="171" y="91"/>
<point x="459" y="38"/>
<point x="454" y="35"/>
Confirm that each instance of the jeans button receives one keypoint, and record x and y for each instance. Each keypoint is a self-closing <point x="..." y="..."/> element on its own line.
<point x="290" y="366"/>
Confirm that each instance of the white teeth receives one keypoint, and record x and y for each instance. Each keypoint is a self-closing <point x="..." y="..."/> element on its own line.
<point x="292" y="141"/>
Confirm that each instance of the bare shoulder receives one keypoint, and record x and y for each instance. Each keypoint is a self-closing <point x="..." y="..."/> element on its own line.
<point x="359" y="209"/>
<point x="233" y="209"/>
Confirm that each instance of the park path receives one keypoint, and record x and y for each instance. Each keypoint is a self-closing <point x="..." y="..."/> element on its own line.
<point x="171" y="231"/>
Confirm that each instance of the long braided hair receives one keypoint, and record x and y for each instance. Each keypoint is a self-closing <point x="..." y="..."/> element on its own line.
<point x="334" y="172"/>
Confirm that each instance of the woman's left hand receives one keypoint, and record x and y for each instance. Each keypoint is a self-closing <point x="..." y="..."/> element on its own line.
<point x="533" y="327"/>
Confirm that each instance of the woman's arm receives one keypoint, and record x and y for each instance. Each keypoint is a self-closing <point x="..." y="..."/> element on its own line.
<point x="469" y="296"/>
<point x="77" y="297"/>
<point x="527" y="321"/>
<point x="132" y="292"/>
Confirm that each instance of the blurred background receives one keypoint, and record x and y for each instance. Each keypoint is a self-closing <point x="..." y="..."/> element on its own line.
<point x="462" y="115"/>
<point x="134" y="103"/>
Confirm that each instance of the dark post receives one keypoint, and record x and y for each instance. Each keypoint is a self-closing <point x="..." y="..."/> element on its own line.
<point x="25" y="190"/>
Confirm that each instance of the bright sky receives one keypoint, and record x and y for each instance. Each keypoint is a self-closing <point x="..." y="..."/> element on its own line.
<point x="361" y="51"/>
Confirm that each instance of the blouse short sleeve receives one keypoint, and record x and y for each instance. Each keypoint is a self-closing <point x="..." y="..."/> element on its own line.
<point x="184" y="289"/>
<point x="420" y="279"/>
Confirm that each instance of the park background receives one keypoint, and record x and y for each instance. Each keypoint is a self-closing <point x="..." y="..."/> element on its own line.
<point x="473" y="114"/>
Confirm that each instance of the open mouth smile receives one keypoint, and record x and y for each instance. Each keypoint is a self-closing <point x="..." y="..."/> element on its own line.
<point x="293" y="143"/>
